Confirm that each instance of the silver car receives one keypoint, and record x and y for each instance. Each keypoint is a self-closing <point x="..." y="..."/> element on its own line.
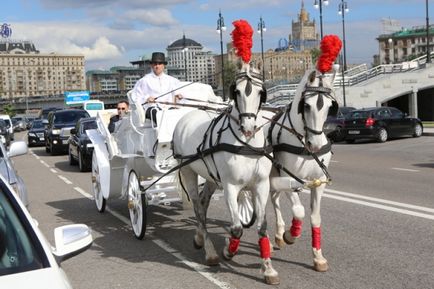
<point x="8" y="171"/>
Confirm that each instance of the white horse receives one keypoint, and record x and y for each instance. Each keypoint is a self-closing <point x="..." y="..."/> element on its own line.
<point x="295" y="135"/>
<point x="238" y="163"/>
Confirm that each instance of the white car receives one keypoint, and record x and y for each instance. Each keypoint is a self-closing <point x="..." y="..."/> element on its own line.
<point x="27" y="260"/>
<point x="7" y="170"/>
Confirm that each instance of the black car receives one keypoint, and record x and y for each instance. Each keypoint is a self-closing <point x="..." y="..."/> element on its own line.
<point x="334" y="125"/>
<point x="380" y="123"/>
<point x="4" y="133"/>
<point x="35" y="135"/>
<point x="80" y="147"/>
<point x="59" y="127"/>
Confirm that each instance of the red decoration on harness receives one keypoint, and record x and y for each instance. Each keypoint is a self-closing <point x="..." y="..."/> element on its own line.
<point x="233" y="245"/>
<point x="296" y="228"/>
<point x="316" y="237"/>
<point x="242" y="39"/>
<point x="264" y="247"/>
<point x="330" y="47"/>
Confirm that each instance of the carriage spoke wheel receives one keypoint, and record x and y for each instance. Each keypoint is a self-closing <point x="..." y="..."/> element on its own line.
<point x="246" y="209"/>
<point x="100" y="201"/>
<point x="137" y="206"/>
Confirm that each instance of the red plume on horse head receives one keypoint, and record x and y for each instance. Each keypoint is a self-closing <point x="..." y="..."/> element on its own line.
<point x="242" y="39"/>
<point x="330" y="47"/>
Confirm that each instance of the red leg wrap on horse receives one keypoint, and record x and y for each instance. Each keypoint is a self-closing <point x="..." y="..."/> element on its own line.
<point x="264" y="246"/>
<point x="233" y="245"/>
<point x="296" y="228"/>
<point x="316" y="237"/>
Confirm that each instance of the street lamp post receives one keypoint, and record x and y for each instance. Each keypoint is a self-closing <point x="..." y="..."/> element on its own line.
<point x="318" y="4"/>
<point x="220" y="28"/>
<point x="261" y="30"/>
<point x="185" y="63"/>
<point x="428" y="52"/>
<point x="343" y="8"/>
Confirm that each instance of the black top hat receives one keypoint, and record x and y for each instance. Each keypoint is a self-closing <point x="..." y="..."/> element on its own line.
<point x="158" y="57"/>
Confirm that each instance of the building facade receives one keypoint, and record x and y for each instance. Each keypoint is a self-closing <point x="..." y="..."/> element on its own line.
<point x="117" y="79"/>
<point x="189" y="62"/>
<point x="304" y="35"/>
<point x="24" y="72"/>
<point x="404" y="45"/>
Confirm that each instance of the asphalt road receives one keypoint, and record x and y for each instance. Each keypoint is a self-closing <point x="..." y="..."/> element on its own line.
<point x="377" y="222"/>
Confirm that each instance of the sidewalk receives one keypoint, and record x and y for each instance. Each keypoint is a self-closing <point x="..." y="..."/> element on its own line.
<point x="428" y="131"/>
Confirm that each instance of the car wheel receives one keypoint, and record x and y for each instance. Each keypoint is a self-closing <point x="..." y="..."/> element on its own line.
<point x="81" y="164"/>
<point x="52" y="150"/>
<point x="246" y="209"/>
<point x="382" y="135"/>
<point x="339" y="134"/>
<point x="417" y="130"/>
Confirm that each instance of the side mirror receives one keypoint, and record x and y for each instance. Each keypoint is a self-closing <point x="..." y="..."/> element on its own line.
<point x="17" y="148"/>
<point x="73" y="131"/>
<point x="71" y="240"/>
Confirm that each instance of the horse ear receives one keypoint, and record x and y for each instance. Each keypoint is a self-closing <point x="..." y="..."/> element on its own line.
<point x="312" y="76"/>
<point x="239" y="64"/>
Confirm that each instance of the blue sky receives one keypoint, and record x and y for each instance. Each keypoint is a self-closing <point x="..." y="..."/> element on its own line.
<point x="114" y="32"/>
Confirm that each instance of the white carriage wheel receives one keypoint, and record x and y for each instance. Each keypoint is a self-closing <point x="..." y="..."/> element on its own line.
<point x="137" y="206"/>
<point x="100" y="201"/>
<point x="246" y="208"/>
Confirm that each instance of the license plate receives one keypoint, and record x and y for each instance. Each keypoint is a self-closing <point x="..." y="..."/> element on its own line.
<point x="354" y="132"/>
<point x="65" y="141"/>
<point x="90" y="145"/>
<point x="41" y="138"/>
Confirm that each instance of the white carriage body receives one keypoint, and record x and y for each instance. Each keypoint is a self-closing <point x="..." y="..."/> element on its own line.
<point x="138" y="145"/>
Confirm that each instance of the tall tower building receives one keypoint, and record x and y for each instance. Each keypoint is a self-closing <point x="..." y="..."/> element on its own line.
<point x="304" y="35"/>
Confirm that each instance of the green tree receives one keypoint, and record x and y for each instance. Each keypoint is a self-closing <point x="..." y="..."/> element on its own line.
<point x="315" y="52"/>
<point x="9" y="109"/>
<point x="230" y="70"/>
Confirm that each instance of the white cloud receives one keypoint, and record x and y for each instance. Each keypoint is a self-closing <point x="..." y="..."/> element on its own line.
<point x="159" y="17"/>
<point x="100" y="50"/>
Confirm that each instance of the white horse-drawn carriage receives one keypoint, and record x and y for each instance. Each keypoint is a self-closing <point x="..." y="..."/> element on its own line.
<point x="133" y="161"/>
<point x="227" y="147"/>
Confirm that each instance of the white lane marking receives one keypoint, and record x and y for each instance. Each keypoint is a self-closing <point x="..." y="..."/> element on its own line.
<point x="201" y="269"/>
<point x="37" y="157"/>
<point x="83" y="192"/>
<point x="405" y="170"/>
<point x="53" y="171"/>
<point x="332" y="161"/>
<point x="408" y="206"/>
<point x="383" y="207"/>
<point x="44" y="163"/>
<point x="65" y="179"/>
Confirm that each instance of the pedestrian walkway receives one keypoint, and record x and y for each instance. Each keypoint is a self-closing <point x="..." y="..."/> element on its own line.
<point x="428" y="131"/>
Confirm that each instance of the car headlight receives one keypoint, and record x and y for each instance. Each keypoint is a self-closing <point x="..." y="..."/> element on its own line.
<point x="32" y="134"/>
<point x="55" y="131"/>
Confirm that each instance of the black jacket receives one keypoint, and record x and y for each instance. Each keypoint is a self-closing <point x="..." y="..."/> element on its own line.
<point x="111" y="126"/>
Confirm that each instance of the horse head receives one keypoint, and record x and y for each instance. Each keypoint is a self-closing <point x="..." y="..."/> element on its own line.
<point x="313" y="102"/>
<point x="248" y="93"/>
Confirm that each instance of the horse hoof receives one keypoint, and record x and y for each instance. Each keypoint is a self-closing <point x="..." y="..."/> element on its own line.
<point x="212" y="261"/>
<point x="321" y="266"/>
<point x="279" y="242"/>
<point x="272" y="280"/>
<point x="226" y="255"/>
<point x="288" y="238"/>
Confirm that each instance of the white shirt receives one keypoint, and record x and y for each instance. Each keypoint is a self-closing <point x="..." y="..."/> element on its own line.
<point x="156" y="86"/>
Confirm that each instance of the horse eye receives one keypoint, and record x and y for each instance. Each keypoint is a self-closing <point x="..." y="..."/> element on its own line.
<point x="306" y="107"/>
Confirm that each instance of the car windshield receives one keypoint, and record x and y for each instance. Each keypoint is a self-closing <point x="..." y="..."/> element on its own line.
<point x="37" y="124"/>
<point x="361" y="114"/>
<point x="69" y="116"/>
<point x="18" y="251"/>
<point x="94" y="106"/>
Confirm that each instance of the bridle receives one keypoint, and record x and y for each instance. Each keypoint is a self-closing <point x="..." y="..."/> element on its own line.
<point x="310" y="91"/>
<point x="252" y="78"/>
